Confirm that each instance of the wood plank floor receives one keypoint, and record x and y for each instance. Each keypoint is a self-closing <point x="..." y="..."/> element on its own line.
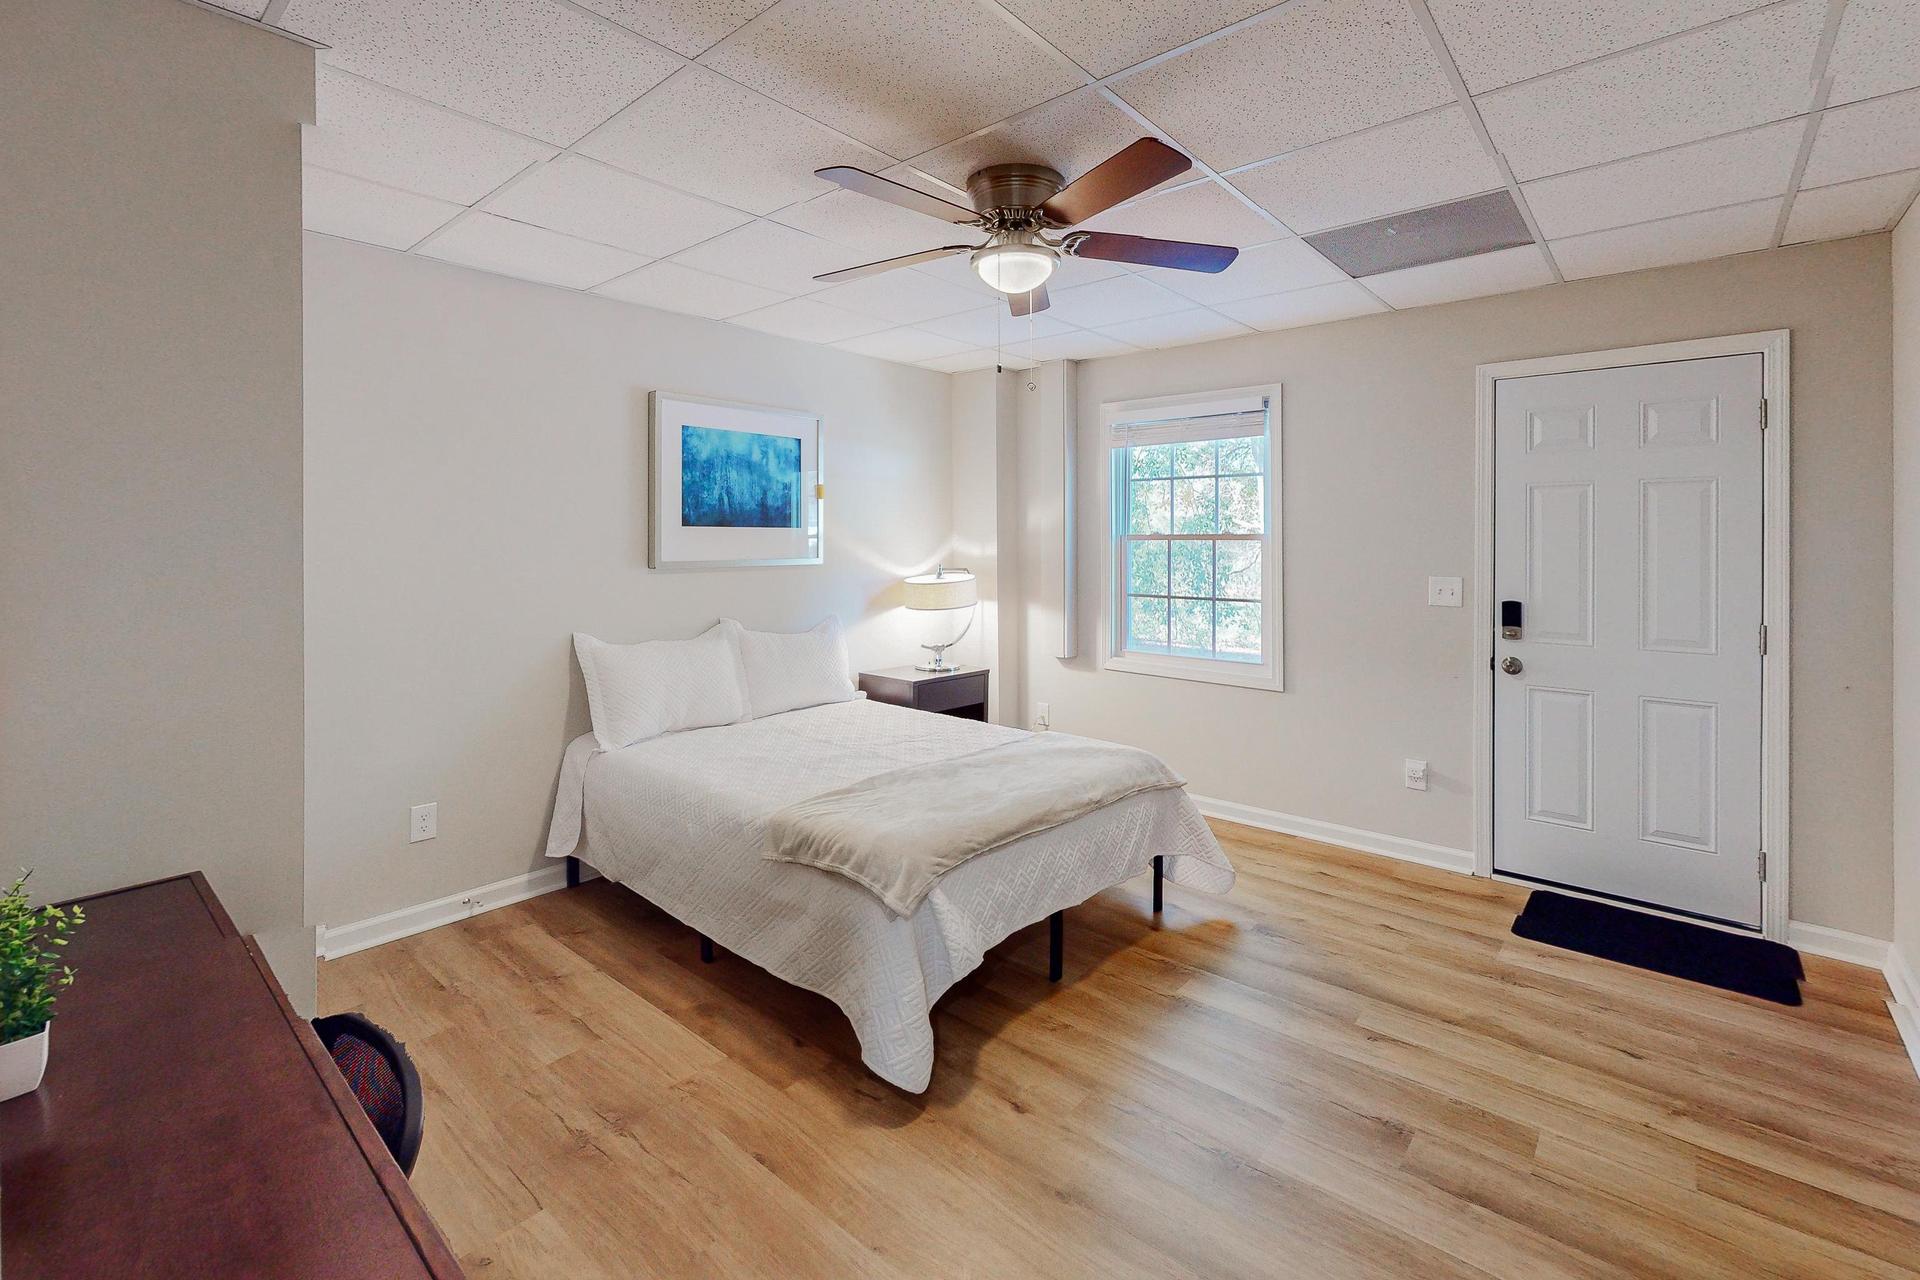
<point x="1346" y="1067"/>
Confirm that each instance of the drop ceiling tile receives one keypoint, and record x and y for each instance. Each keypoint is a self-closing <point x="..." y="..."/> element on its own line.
<point x="1315" y="70"/>
<point x="585" y="198"/>
<point x="1701" y="175"/>
<point x="250" y="8"/>
<point x="381" y="134"/>
<point x="535" y="66"/>
<point x="511" y="248"/>
<point x="1851" y="208"/>
<point x="902" y="345"/>
<point x="1877" y="50"/>
<point x="965" y="362"/>
<point x="1424" y="160"/>
<point x="1271" y="268"/>
<point x="873" y="228"/>
<point x="1075" y="344"/>
<point x="1113" y="301"/>
<point x="902" y="296"/>
<point x="1740" y="73"/>
<point x="1206" y="212"/>
<point x="769" y="255"/>
<point x="1327" y="302"/>
<point x="668" y="286"/>
<point x="703" y="133"/>
<point x="1497" y="42"/>
<point x="1865" y="138"/>
<point x="1503" y="271"/>
<point x="899" y="76"/>
<point x="809" y="321"/>
<point x="1106" y="36"/>
<point x="994" y="326"/>
<point x="1691" y="237"/>
<point x="355" y="209"/>
<point x="690" y="27"/>
<point x="1070" y="135"/>
<point x="1176" y="329"/>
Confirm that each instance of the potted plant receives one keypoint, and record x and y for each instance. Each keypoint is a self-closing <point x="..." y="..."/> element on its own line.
<point x="30" y="975"/>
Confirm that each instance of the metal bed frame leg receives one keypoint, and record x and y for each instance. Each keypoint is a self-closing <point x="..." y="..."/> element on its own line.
<point x="706" y="949"/>
<point x="573" y="872"/>
<point x="1056" y="945"/>
<point x="1158" y="875"/>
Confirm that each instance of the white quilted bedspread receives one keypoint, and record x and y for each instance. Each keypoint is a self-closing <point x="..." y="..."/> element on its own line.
<point x="681" y="820"/>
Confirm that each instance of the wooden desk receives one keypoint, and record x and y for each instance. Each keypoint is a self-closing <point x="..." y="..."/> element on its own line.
<point x="190" y="1124"/>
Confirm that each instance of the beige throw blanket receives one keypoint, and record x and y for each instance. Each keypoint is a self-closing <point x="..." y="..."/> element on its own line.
<point x="896" y="833"/>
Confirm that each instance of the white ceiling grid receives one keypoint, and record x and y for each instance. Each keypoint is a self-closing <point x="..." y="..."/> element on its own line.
<point x="661" y="152"/>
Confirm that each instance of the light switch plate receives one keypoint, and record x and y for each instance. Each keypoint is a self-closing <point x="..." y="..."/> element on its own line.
<point x="424" y="822"/>
<point x="1443" y="593"/>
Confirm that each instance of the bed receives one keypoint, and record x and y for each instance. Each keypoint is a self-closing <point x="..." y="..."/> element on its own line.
<point x="682" y="820"/>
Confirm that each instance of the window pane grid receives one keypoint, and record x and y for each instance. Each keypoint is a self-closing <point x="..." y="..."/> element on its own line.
<point x="1193" y="534"/>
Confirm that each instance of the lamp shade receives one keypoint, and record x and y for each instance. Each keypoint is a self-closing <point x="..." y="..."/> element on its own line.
<point x="953" y="589"/>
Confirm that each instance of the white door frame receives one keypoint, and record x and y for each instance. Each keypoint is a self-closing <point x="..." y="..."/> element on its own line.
<point x="1776" y="665"/>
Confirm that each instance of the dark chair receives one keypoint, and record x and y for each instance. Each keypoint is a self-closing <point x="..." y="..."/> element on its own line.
<point x="381" y="1076"/>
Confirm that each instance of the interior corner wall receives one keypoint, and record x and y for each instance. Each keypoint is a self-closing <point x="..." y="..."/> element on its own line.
<point x="1906" y="591"/>
<point x="1378" y="474"/>
<point x="476" y="491"/>
<point x="150" y="419"/>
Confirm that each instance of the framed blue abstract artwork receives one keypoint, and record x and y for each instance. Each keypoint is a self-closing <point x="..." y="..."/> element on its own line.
<point x="732" y="484"/>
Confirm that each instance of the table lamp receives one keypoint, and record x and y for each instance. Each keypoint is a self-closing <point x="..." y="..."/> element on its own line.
<point x="944" y="591"/>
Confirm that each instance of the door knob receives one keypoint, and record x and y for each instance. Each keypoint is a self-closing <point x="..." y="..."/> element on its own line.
<point x="1512" y="666"/>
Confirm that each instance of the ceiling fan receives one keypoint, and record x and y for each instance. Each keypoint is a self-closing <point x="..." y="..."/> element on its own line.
<point x="1017" y="205"/>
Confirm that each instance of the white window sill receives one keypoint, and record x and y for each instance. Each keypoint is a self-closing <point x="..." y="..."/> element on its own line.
<point x="1202" y="670"/>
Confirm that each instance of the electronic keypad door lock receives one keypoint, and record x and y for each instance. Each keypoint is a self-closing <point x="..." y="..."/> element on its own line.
<point x="1510" y="619"/>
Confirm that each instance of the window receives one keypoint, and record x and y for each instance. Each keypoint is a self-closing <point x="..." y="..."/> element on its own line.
<point x="1196" y="574"/>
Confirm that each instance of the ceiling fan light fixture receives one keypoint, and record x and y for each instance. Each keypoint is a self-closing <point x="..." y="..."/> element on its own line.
<point x="1015" y="266"/>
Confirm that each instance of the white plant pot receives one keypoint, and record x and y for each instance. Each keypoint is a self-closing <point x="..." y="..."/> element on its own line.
<point x="23" y="1062"/>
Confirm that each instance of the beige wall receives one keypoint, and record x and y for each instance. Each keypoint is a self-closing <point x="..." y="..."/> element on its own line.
<point x="150" y="624"/>
<point x="476" y="474"/>
<point x="1378" y="458"/>
<point x="1906" y="589"/>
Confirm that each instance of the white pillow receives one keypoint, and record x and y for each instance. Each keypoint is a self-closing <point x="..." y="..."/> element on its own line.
<point x="640" y="691"/>
<point x="786" y="671"/>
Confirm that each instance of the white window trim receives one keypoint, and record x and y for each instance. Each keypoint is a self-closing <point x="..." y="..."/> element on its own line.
<point x="1268" y="674"/>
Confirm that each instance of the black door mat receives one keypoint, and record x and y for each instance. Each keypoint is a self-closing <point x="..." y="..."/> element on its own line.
<point x="1730" y="961"/>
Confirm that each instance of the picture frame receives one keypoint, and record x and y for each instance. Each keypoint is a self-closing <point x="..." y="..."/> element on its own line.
<point x="732" y="484"/>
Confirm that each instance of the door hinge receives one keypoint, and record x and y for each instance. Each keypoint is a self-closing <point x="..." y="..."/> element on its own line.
<point x="1763" y="866"/>
<point x="1763" y="639"/>
<point x="1763" y="413"/>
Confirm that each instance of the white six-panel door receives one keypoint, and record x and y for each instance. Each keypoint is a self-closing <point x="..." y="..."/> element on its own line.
<point x="1627" y="713"/>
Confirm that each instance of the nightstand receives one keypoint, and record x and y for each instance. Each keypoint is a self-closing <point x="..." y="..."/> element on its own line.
<point x="960" y="693"/>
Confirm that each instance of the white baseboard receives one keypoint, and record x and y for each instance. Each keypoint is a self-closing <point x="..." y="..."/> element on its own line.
<point x="1428" y="855"/>
<point x="1837" y="944"/>
<point x="341" y="940"/>
<point x="1904" y="982"/>
<point x="1901" y="978"/>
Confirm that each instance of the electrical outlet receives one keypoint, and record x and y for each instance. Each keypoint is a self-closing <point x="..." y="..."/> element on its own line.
<point x="1043" y="716"/>
<point x="424" y="823"/>
<point x="1443" y="593"/>
<point x="1416" y="775"/>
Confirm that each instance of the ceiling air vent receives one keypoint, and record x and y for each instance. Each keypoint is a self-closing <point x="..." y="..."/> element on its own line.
<point x="1478" y="224"/>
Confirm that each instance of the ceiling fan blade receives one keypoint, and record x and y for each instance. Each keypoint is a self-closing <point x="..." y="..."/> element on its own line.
<point x="1025" y="304"/>
<point x="872" y="184"/>
<point x="1141" y="166"/>
<point x="888" y="264"/>
<point x="1182" y="255"/>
